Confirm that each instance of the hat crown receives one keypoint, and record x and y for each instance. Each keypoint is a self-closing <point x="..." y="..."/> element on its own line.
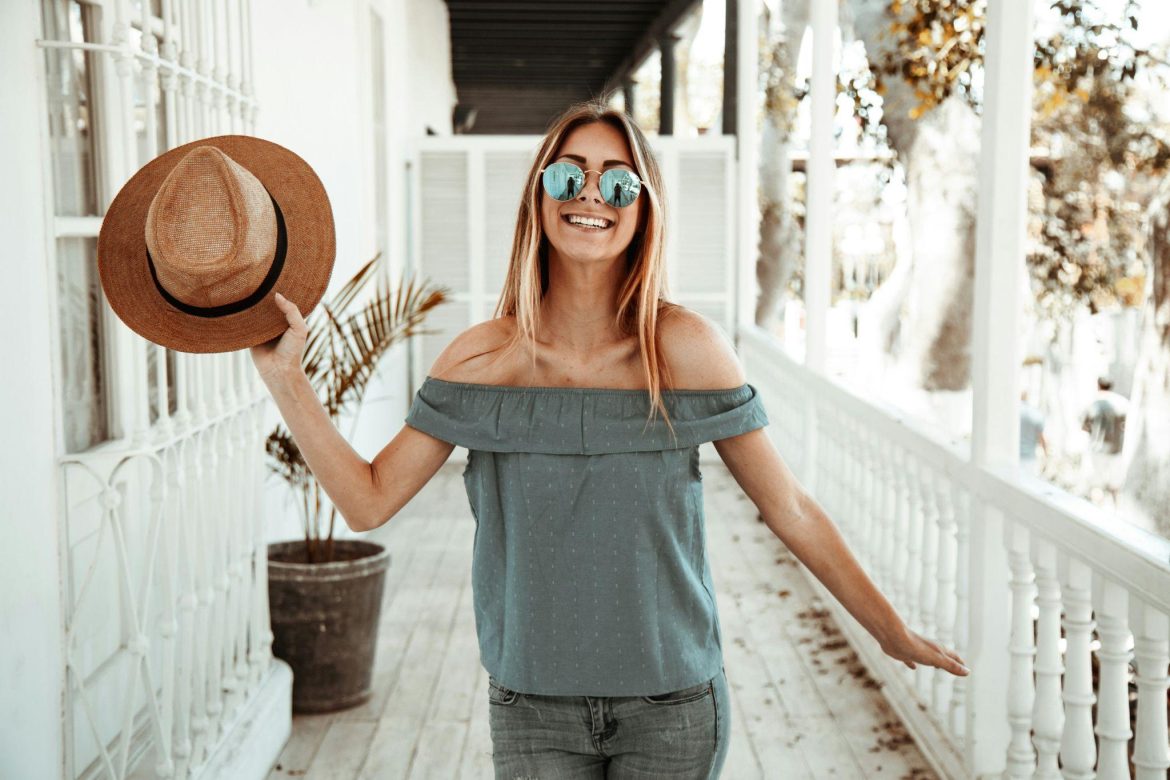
<point x="211" y="230"/>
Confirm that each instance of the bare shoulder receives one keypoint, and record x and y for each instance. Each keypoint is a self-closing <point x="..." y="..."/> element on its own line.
<point x="698" y="351"/>
<point x="473" y="355"/>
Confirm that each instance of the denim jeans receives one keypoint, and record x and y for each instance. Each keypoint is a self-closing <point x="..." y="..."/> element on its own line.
<point x="683" y="734"/>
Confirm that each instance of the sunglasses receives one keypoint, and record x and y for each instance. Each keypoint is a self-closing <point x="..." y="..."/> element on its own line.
<point x="564" y="181"/>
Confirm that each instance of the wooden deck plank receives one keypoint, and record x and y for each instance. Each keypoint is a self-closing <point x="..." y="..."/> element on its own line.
<point x="477" y="751"/>
<point x="401" y="615"/>
<point x="342" y="751"/>
<point x="307" y="734"/>
<point x="437" y="674"/>
<point x="767" y="722"/>
<point x="848" y="699"/>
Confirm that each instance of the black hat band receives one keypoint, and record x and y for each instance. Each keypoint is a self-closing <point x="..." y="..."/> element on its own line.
<point x="244" y="303"/>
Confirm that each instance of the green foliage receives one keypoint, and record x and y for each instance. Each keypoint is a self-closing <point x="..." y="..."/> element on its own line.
<point x="1103" y="157"/>
<point x="342" y="352"/>
<point x="1102" y="164"/>
<point x="936" y="46"/>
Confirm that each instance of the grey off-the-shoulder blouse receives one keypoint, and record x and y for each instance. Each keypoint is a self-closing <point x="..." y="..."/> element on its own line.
<point x="589" y="569"/>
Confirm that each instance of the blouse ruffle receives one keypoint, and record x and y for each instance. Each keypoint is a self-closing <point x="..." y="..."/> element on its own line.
<point x="579" y="420"/>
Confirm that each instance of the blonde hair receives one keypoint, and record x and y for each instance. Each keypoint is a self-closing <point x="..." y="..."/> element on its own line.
<point x="643" y="295"/>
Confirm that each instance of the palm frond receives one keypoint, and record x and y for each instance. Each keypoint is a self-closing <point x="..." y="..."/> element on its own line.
<point x="367" y="335"/>
<point x="340" y="302"/>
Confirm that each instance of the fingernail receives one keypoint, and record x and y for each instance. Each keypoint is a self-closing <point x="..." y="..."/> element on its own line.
<point x="965" y="669"/>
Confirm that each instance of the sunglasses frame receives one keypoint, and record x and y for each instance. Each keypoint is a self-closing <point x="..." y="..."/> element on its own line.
<point x="585" y="173"/>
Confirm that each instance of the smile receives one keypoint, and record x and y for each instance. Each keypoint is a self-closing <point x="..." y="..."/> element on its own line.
<point x="588" y="228"/>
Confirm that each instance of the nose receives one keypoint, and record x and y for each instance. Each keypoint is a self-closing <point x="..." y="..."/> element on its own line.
<point x="596" y="186"/>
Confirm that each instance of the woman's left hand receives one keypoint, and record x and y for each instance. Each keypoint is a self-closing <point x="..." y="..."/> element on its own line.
<point x="912" y="649"/>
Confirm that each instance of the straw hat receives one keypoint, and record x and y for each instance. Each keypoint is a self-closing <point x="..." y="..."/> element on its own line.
<point x="196" y="243"/>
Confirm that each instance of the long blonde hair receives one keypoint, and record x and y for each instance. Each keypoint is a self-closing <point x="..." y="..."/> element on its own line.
<point x="643" y="296"/>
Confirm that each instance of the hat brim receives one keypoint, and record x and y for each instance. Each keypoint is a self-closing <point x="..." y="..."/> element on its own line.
<point x="312" y="246"/>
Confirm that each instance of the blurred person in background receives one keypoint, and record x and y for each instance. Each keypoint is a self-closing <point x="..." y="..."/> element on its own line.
<point x="1104" y="421"/>
<point x="1031" y="435"/>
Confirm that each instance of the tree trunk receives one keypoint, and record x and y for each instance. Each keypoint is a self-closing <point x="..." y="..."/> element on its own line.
<point x="1147" y="428"/>
<point x="940" y="154"/>
<point x="780" y="247"/>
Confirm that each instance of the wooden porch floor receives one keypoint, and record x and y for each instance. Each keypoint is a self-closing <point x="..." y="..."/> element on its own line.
<point x="803" y="705"/>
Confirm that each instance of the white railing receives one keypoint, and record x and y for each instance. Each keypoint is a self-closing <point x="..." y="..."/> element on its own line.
<point x="994" y="565"/>
<point x="168" y="670"/>
<point x="168" y="644"/>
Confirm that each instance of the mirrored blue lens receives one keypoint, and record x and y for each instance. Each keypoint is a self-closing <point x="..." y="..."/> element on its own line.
<point x="564" y="181"/>
<point x="620" y="187"/>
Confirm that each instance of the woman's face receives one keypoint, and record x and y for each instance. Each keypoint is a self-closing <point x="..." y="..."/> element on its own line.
<point x="595" y="147"/>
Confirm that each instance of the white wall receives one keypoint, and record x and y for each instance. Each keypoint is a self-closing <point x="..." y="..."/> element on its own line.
<point x="312" y="69"/>
<point x="31" y="653"/>
<point x="312" y="80"/>
<point x="430" y="90"/>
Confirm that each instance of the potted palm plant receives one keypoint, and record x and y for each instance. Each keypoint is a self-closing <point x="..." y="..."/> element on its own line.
<point x="325" y="595"/>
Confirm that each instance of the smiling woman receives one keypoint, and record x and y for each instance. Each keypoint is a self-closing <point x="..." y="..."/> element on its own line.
<point x="582" y="404"/>
<point x="578" y="501"/>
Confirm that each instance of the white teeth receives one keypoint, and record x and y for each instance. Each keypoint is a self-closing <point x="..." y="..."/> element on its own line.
<point x="588" y="222"/>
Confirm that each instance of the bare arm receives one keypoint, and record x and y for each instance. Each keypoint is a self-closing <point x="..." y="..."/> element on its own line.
<point x="344" y="475"/>
<point x="702" y="356"/>
<point x="798" y="521"/>
<point x="366" y="494"/>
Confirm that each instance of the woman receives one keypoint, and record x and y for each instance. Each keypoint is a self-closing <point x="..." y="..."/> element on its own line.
<point x="582" y="404"/>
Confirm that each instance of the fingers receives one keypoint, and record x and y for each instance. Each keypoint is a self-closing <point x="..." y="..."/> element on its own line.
<point x="955" y="657"/>
<point x="953" y="663"/>
<point x="945" y="659"/>
<point x="291" y="312"/>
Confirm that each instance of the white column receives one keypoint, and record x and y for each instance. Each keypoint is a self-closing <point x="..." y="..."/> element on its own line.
<point x="32" y="659"/>
<point x="818" y="235"/>
<point x="999" y="232"/>
<point x="999" y="252"/>
<point x="747" y="143"/>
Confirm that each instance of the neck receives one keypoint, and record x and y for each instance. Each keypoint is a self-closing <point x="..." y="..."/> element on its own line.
<point x="578" y="310"/>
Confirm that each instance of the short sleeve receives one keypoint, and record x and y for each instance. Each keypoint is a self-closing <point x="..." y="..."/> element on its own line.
<point x="438" y="415"/>
<point x="721" y="415"/>
<point x="617" y="423"/>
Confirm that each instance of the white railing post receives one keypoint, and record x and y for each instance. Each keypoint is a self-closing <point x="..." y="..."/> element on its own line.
<point x="1078" y="749"/>
<point x="1113" y="681"/>
<point x="1151" y="754"/>
<point x="1047" y="711"/>
<point x="945" y="594"/>
<point x="808" y="420"/>
<point x="927" y="565"/>
<point x="986" y="710"/>
<point x="964" y="507"/>
<point x="1021" y="756"/>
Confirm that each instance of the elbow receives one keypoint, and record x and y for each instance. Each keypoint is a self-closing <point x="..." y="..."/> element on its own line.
<point x="365" y="520"/>
<point x="368" y="523"/>
<point x="359" y="525"/>
<point x="374" y="513"/>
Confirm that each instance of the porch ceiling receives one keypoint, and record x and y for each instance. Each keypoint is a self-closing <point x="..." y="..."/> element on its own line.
<point x="519" y="62"/>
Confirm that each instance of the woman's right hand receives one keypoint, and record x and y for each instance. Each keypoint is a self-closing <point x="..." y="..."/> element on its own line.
<point x="282" y="355"/>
